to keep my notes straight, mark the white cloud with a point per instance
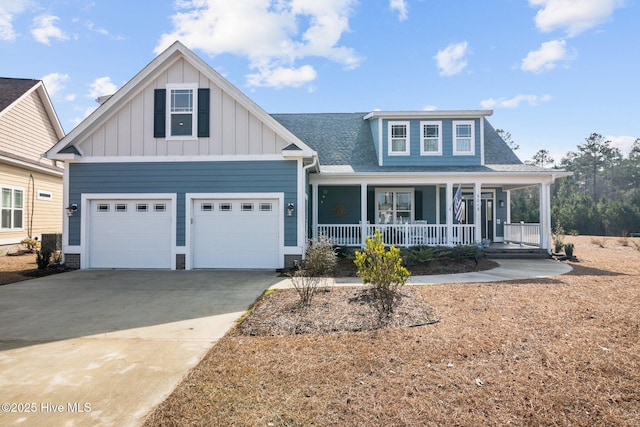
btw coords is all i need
(451, 60)
(70, 97)
(545, 58)
(55, 82)
(8, 10)
(273, 34)
(401, 7)
(85, 112)
(623, 143)
(281, 77)
(429, 108)
(573, 16)
(532, 100)
(100, 87)
(44, 29)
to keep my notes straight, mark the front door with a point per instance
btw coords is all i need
(486, 213)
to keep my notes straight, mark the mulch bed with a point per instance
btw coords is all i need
(347, 268)
(334, 309)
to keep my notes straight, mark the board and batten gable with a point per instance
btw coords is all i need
(234, 129)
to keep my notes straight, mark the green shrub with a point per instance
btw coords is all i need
(42, 259)
(558, 238)
(420, 255)
(568, 249)
(382, 269)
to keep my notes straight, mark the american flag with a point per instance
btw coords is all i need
(457, 204)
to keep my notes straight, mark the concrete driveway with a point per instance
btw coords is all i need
(105, 347)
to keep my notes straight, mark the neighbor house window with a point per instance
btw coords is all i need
(398, 138)
(431, 143)
(394, 206)
(181, 114)
(463, 138)
(12, 208)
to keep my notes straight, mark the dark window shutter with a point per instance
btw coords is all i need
(159, 113)
(419, 216)
(203, 112)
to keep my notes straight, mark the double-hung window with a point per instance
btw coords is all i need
(394, 206)
(398, 138)
(181, 102)
(12, 209)
(463, 138)
(431, 138)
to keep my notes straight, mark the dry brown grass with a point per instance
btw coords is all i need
(559, 351)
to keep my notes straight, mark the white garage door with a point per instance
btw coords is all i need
(130, 234)
(235, 233)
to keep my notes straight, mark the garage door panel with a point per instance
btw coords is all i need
(236, 234)
(130, 234)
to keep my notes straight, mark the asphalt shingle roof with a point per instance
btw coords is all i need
(12, 89)
(344, 142)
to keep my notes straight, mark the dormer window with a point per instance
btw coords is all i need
(398, 138)
(463, 138)
(431, 143)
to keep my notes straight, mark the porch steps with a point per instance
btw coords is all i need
(516, 252)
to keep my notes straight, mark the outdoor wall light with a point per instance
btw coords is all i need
(290, 209)
(501, 203)
(72, 209)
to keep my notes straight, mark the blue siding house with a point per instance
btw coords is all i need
(181, 170)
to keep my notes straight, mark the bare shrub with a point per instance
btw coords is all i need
(623, 241)
(599, 241)
(306, 285)
(320, 261)
(320, 258)
(636, 244)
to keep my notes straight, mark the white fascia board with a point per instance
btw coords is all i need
(176, 159)
(523, 178)
(30, 166)
(454, 114)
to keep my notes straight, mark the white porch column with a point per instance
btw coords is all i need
(508, 206)
(363, 213)
(449, 201)
(545, 216)
(314, 211)
(477, 208)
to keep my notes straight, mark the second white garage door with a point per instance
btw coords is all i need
(235, 233)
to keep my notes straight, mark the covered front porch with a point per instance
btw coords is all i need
(410, 213)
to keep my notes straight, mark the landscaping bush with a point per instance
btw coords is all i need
(320, 261)
(320, 258)
(42, 259)
(558, 238)
(382, 269)
(420, 255)
(568, 249)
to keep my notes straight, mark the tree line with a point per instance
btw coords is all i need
(602, 197)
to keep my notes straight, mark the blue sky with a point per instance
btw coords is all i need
(553, 71)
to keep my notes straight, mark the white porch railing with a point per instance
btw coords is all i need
(399, 234)
(523, 234)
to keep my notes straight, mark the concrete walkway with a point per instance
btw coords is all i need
(509, 269)
(103, 348)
